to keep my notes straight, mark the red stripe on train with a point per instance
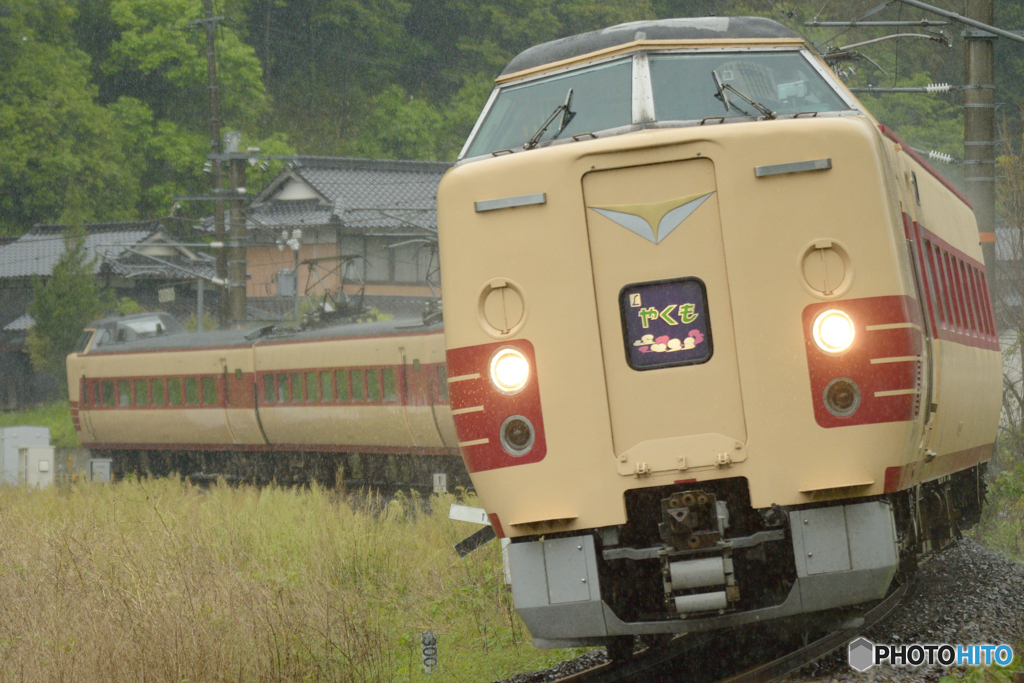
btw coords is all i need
(870, 344)
(899, 478)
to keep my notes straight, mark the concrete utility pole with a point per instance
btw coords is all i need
(237, 265)
(217, 171)
(979, 130)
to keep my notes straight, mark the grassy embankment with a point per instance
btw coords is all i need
(56, 416)
(158, 580)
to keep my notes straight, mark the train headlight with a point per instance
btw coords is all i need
(509, 370)
(833, 331)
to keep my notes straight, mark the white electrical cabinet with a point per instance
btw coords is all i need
(12, 440)
(35, 466)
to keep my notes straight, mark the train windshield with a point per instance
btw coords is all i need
(601, 99)
(784, 82)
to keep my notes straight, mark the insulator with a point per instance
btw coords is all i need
(940, 156)
(933, 88)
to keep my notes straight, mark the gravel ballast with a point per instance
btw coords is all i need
(965, 595)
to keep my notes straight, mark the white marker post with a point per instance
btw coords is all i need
(428, 642)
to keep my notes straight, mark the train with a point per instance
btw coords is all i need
(720, 345)
(363, 403)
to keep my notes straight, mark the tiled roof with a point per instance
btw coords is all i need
(24, 322)
(169, 267)
(369, 196)
(37, 251)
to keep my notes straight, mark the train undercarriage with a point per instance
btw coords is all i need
(698, 557)
(295, 468)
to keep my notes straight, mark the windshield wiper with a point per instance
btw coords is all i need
(722, 87)
(567, 116)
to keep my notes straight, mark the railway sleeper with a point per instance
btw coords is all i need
(698, 557)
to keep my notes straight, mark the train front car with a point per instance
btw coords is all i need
(698, 372)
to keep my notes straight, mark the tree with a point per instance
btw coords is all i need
(63, 305)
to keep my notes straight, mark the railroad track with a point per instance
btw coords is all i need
(665, 662)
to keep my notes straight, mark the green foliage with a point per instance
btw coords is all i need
(63, 305)
(209, 322)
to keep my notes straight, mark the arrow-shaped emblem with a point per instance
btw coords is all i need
(653, 221)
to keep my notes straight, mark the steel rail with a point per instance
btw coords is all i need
(657, 658)
(764, 673)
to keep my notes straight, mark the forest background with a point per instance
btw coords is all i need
(104, 104)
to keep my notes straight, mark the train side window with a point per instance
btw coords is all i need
(933, 275)
(268, 387)
(209, 391)
(358, 387)
(961, 292)
(311, 387)
(442, 381)
(979, 307)
(124, 393)
(986, 303)
(373, 385)
(389, 384)
(972, 300)
(296, 387)
(156, 387)
(108, 392)
(326, 386)
(141, 392)
(92, 396)
(191, 391)
(174, 391)
(342, 377)
(947, 272)
(282, 387)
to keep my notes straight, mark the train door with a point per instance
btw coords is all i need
(665, 314)
(910, 201)
(84, 412)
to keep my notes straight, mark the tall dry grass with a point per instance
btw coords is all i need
(162, 581)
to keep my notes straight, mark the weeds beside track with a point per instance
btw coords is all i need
(161, 580)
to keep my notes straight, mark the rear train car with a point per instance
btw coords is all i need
(720, 346)
(367, 400)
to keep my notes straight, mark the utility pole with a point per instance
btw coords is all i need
(237, 265)
(979, 130)
(210, 22)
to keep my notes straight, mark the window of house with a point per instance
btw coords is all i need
(378, 261)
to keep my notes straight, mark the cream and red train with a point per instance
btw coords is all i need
(359, 399)
(720, 347)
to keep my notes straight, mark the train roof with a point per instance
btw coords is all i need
(702, 28)
(190, 341)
